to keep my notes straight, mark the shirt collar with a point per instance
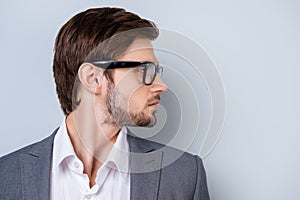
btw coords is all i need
(119, 154)
(62, 146)
(118, 157)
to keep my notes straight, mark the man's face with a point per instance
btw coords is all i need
(129, 102)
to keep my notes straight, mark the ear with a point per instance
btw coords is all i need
(90, 77)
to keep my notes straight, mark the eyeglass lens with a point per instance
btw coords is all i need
(150, 72)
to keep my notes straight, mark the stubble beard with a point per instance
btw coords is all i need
(119, 114)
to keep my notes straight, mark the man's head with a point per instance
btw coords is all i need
(107, 34)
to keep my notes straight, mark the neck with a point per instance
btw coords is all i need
(92, 141)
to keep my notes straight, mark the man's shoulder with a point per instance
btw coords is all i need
(172, 156)
(33, 148)
(14, 167)
(149, 143)
(180, 172)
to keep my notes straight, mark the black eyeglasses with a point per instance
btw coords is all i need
(150, 69)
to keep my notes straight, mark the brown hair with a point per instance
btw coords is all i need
(95, 34)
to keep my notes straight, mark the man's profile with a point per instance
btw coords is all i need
(107, 78)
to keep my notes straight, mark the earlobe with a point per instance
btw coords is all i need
(89, 77)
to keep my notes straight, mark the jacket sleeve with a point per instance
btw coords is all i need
(201, 190)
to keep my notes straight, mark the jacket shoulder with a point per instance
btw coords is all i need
(35, 147)
(171, 157)
(10, 164)
(11, 168)
(182, 174)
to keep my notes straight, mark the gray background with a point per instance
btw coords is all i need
(255, 45)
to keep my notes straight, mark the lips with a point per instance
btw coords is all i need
(153, 103)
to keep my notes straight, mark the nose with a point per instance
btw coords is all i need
(158, 85)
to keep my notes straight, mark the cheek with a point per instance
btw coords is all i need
(138, 99)
(127, 81)
(130, 85)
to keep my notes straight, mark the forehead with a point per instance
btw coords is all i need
(140, 50)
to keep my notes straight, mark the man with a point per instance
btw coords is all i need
(107, 77)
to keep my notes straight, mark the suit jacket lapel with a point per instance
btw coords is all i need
(36, 169)
(145, 165)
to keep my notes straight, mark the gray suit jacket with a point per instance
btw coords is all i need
(25, 174)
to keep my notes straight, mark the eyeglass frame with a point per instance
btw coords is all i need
(111, 64)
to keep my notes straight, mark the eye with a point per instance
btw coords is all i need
(139, 70)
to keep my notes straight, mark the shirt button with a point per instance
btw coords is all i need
(76, 164)
(88, 196)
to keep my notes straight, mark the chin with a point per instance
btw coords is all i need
(153, 121)
(149, 121)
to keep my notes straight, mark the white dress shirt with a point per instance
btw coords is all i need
(68, 182)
